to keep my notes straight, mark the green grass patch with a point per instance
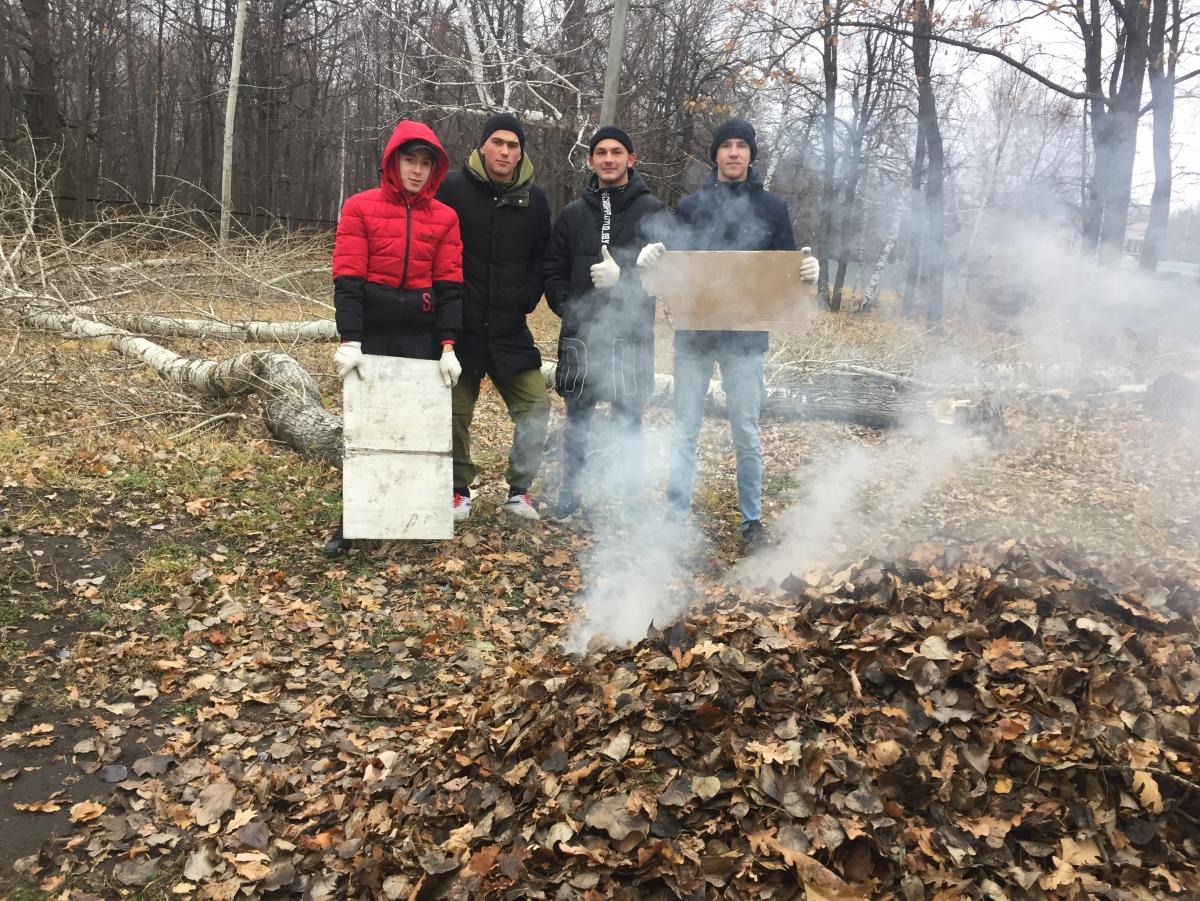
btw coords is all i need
(165, 566)
(186, 709)
(173, 625)
(384, 633)
(15, 612)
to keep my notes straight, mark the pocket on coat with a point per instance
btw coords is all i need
(571, 373)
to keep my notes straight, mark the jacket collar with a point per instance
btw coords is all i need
(515, 193)
(752, 184)
(621, 197)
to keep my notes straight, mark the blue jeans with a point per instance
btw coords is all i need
(742, 379)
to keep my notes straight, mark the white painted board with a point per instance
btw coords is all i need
(397, 472)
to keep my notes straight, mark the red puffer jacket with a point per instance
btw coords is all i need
(397, 260)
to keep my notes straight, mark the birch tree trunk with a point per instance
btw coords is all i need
(235, 76)
(291, 402)
(254, 330)
(872, 289)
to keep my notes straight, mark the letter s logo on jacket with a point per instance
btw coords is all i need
(426, 302)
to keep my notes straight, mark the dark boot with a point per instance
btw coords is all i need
(337, 544)
(753, 536)
(565, 508)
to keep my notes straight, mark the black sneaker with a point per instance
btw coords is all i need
(337, 545)
(563, 509)
(753, 535)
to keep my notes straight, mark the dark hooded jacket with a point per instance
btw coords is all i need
(397, 260)
(731, 216)
(606, 344)
(505, 230)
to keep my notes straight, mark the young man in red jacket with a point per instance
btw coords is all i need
(397, 266)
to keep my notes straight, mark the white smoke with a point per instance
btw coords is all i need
(855, 498)
(638, 575)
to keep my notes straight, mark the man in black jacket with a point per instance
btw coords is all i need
(731, 211)
(606, 344)
(505, 225)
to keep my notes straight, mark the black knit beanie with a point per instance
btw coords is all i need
(610, 132)
(734, 128)
(503, 122)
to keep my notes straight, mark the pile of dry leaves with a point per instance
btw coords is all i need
(969, 722)
(1006, 728)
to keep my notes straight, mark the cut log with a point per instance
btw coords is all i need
(1173, 397)
(853, 398)
(291, 402)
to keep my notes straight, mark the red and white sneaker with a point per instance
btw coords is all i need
(520, 505)
(462, 506)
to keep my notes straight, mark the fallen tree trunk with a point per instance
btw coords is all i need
(853, 398)
(997, 379)
(265, 332)
(291, 402)
(293, 412)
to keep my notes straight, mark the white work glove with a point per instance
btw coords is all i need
(347, 358)
(605, 274)
(650, 255)
(810, 269)
(449, 365)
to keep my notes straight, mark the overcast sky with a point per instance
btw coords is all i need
(1052, 46)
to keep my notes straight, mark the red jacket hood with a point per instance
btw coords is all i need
(408, 130)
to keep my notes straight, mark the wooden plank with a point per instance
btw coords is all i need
(397, 477)
(741, 290)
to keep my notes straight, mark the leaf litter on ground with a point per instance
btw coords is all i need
(991, 720)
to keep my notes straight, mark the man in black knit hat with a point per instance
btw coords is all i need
(606, 345)
(504, 220)
(731, 211)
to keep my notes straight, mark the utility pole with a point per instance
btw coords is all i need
(612, 76)
(235, 77)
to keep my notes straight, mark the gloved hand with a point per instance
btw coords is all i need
(606, 273)
(810, 269)
(348, 357)
(650, 255)
(449, 365)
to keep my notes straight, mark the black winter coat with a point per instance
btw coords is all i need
(731, 216)
(504, 234)
(606, 344)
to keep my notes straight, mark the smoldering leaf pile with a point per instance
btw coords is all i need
(1013, 726)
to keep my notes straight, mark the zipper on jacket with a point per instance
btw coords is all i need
(407, 241)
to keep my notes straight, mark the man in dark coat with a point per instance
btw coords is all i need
(606, 344)
(505, 225)
(731, 211)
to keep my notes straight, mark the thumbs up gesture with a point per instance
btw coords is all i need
(605, 273)
(810, 269)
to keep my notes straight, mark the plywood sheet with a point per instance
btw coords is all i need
(397, 470)
(756, 290)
